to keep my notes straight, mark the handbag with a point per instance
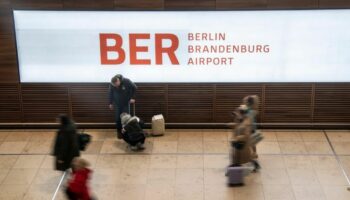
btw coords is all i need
(84, 139)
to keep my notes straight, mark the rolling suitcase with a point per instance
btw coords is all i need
(235, 176)
(158, 125)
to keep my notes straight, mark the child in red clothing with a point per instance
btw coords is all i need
(77, 188)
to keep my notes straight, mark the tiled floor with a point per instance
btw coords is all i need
(183, 164)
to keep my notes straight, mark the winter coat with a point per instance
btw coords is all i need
(242, 134)
(133, 130)
(78, 184)
(66, 147)
(121, 95)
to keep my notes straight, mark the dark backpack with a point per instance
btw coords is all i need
(84, 139)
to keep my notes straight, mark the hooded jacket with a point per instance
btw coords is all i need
(121, 95)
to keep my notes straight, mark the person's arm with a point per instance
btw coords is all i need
(110, 93)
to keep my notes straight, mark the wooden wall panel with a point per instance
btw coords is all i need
(37, 4)
(139, 4)
(292, 4)
(189, 4)
(10, 105)
(90, 103)
(44, 102)
(229, 96)
(334, 3)
(190, 103)
(240, 4)
(6, 20)
(8, 59)
(151, 100)
(88, 4)
(332, 103)
(288, 103)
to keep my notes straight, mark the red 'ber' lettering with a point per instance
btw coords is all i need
(104, 49)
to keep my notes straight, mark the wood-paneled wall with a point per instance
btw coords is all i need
(180, 103)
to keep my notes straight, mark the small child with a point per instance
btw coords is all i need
(132, 132)
(77, 188)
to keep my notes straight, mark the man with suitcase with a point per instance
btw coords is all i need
(121, 93)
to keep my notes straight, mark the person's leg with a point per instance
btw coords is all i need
(118, 122)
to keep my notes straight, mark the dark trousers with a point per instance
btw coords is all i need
(133, 142)
(119, 109)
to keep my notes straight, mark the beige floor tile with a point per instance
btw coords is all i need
(298, 162)
(218, 192)
(215, 136)
(40, 192)
(336, 193)
(324, 162)
(18, 137)
(274, 176)
(13, 192)
(110, 161)
(215, 177)
(38, 147)
(313, 136)
(168, 136)
(161, 176)
(130, 192)
(96, 134)
(3, 174)
(92, 159)
(133, 176)
(160, 192)
(331, 177)
(269, 136)
(345, 161)
(20, 177)
(47, 176)
(252, 192)
(338, 136)
(253, 179)
(289, 136)
(278, 192)
(43, 135)
(216, 161)
(137, 161)
(105, 192)
(190, 161)
(189, 192)
(189, 176)
(48, 163)
(164, 147)
(7, 161)
(112, 146)
(163, 161)
(303, 177)
(3, 135)
(271, 162)
(111, 135)
(318, 148)
(293, 147)
(94, 147)
(308, 192)
(215, 147)
(12, 147)
(191, 136)
(106, 176)
(29, 161)
(265, 147)
(190, 147)
(341, 148)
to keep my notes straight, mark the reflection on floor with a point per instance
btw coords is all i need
(183, 164)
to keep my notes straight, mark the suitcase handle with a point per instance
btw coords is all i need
(133, 109)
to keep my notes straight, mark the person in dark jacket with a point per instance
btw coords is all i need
(121, 93)
(132, 132)
(66, 144)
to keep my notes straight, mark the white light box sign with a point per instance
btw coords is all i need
(184, 46)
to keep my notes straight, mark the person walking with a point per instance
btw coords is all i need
(121, 94)
(66, 146)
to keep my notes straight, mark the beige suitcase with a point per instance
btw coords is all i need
(158, 125)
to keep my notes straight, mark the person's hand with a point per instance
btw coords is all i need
(111, 106)
(132, 100)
